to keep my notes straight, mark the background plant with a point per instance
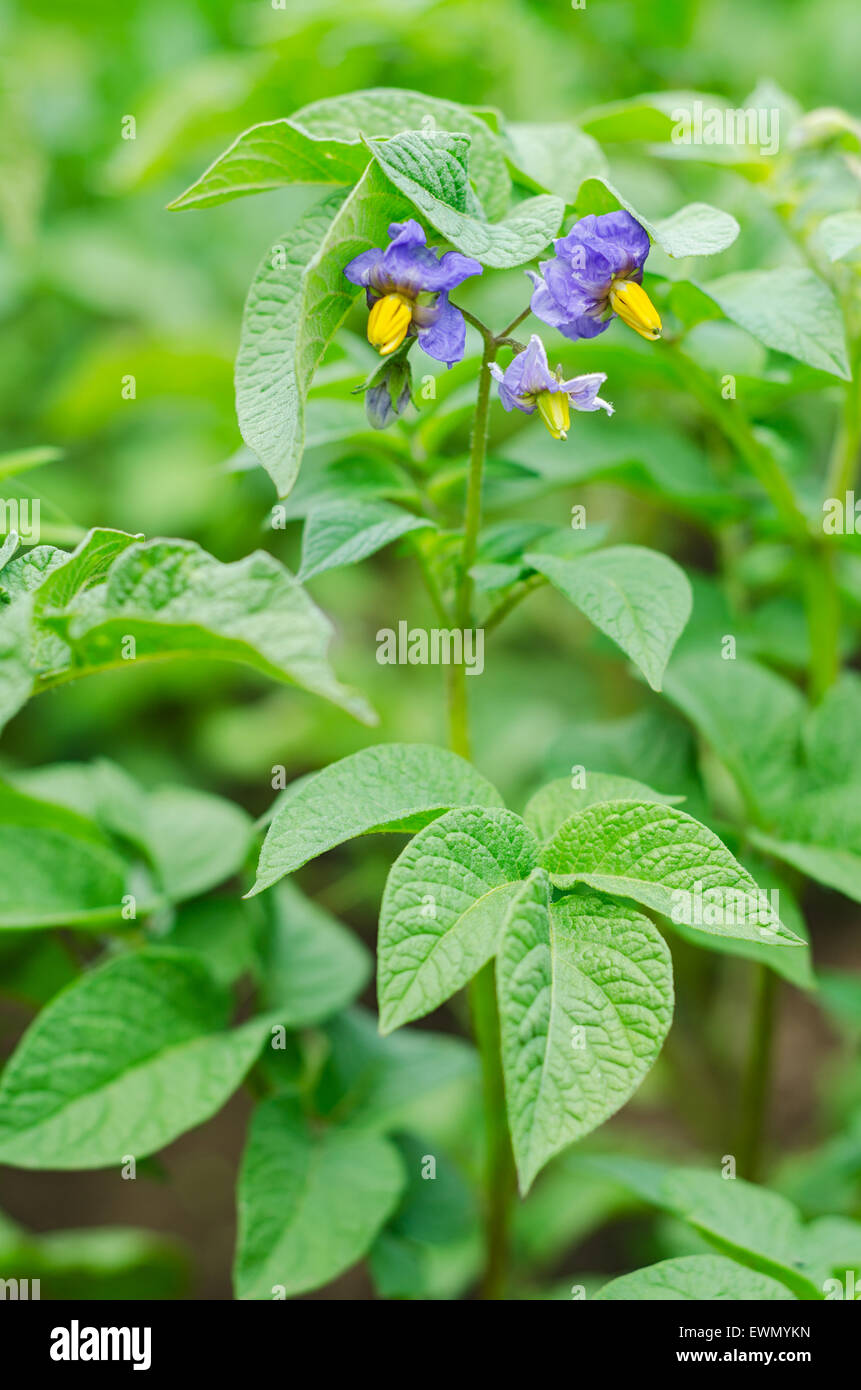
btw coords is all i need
(733, 487)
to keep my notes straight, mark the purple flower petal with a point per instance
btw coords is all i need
(528, 374)
(574, 293)
(359, 270)
(445, 338)
(510, 400)
(624, 234)
(409, 266)
(450, 271)
(582, 392)
(580, 321)
(523, 378)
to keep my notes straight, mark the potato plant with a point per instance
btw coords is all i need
(442, 355)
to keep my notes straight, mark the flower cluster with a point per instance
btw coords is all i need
(407, 287)
(595, 275)
(528, 384)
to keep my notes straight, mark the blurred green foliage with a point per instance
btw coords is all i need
(98, 281)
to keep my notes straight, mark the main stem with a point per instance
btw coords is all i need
(500, 1180)
(474, 482)
(754, 1100)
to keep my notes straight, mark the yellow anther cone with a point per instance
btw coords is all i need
(555, 411)
(636, 309)
(388, 323)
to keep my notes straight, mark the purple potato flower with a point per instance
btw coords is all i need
(596, 273)
(528, 384)
(407, 287)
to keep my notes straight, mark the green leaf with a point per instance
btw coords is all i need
(652, 742)
(105, 1263)
(585, 1001)
(372, 1082)
(26, 573)
(666, 860)
(222, 931)
(343, 532)
(424, 168)
(567, 1204)
(53, 577)
(296, 302)
(708, 1278)
(431, 1248)
(310, 1205)
(56, 868)
(385, 111)
(750, 717)
(16, 675)
(649, 116)
(443, 907)
(552, 158)
(790, 310)
(554, 804)
(175, 600)
(34, 966)
(836, 868)
(195, 839)
(638, 597)
(658, 462)
(820, 834)
(269, 156)
(124, 1060)
(88, 562)
(697, 229)
(8, 548)
(831, 733)
(796, 965)
(437, 162)
(840, 235)
(311, 966)
(15, 461)
(759, 1228)
(396, 786)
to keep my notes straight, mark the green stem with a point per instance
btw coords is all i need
(755, 1086)
(431, 585)
(822, 595)
(458, 712)
(822, 604)
(500, 1178)
(847, 443)
(475, 479)
(515, 323)
(514, 596)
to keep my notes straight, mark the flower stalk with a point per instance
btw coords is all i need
(500, 1176)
